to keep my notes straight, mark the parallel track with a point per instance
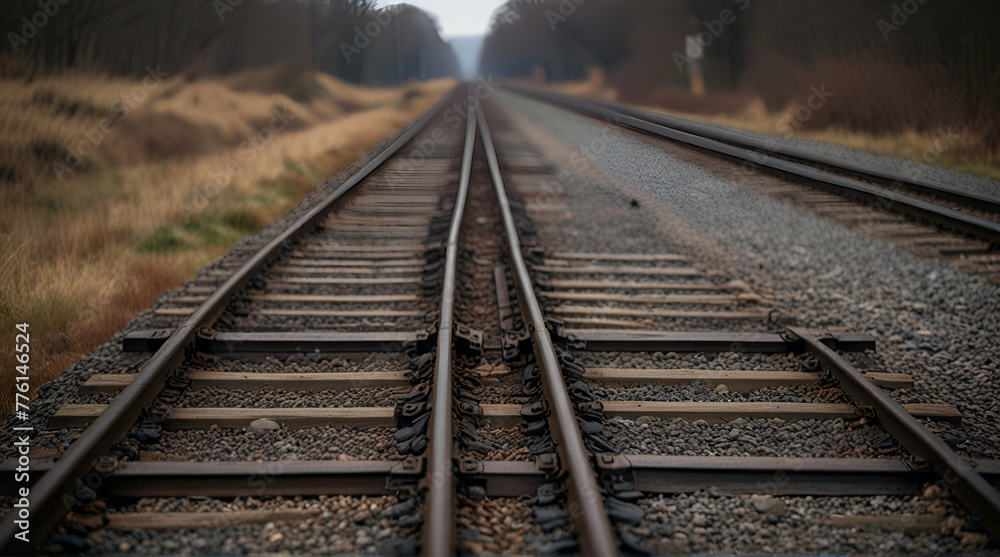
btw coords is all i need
(121, 414)
(567, 302)
(979, 495)
(829, 172)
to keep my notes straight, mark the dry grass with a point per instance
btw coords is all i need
(84, 254)
(836, 124)
(966, 155)
(594, 87)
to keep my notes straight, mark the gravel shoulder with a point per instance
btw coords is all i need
(906, 167)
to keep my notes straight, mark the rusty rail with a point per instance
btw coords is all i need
(761, 153)
(52, 497)
(969, 487)
(439, 511)
(585, 502)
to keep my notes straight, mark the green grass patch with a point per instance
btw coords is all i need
(223, 226)
(209, 229)
(281, 188)
(305, 89)
(206, 230)
(296, 169)
(162, 240)
(267, 197)
(242, 220)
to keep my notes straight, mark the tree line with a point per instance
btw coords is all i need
(349, 39)
(891, 64)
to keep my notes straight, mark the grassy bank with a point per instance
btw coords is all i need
(113, 191)
(965, 155)
(968, 154)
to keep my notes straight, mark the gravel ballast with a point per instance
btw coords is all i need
(705, 523)
(318, 443)
(937, 324)
(336, 525)
(749, 437)
(932, 322)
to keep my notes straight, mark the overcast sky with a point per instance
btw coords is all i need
(456, 18)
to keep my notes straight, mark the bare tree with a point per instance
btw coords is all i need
(224, 36)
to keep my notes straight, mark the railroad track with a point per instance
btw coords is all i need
(544, 192)
(439, 340)
(924, 216)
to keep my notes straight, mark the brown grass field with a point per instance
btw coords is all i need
(970, 154)
(89, 242)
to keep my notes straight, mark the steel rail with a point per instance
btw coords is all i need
(439, 512)
(924, 185)
(593, 524)
(930, 212)
(969, 487)
(48, 504)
